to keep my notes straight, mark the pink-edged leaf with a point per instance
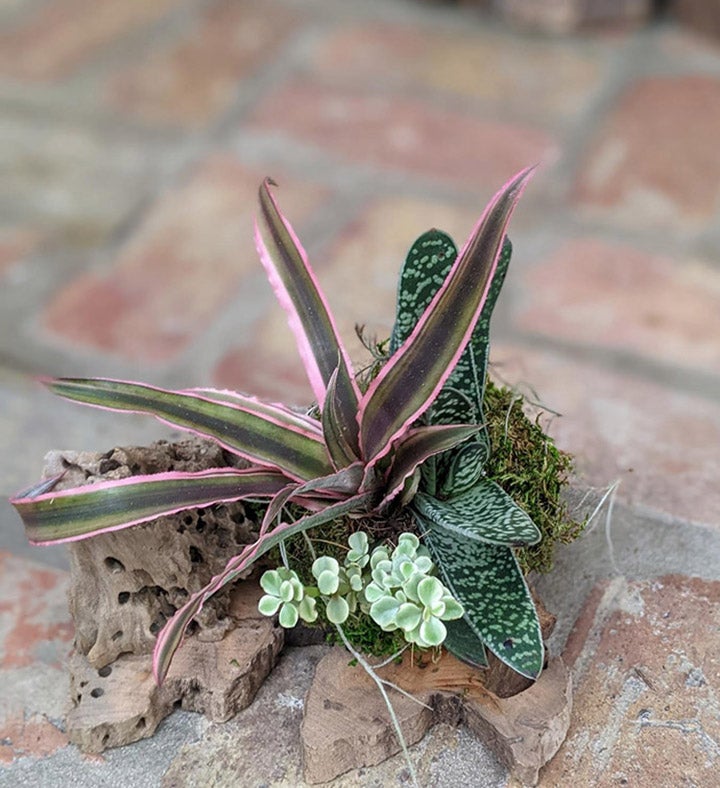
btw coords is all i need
(417, 445)
(310, 319)
(337, 440)
(413, 376)
(81, 512)
(271, 409)
(315, 493)
(171, 635)
(256, 431)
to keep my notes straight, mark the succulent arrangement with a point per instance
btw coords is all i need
(409, 445)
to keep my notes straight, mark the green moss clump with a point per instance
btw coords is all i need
(525, 462)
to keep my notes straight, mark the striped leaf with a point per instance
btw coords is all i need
(484, 513)
(412, 378)
(417, 446)
(487, 581)
(310, 320)
(80, 512)
(171, 635)
(461, 398)
(253, 430)
(337, 439)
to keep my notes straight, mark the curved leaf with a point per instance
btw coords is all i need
(417, 446)
(488, 583)
(81, 512)
(338, 441)
(311, 321)
(256, 431)
(484, 513)
(412, 378)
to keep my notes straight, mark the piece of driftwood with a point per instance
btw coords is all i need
(121, 703)
(347, 725)
(125, 584)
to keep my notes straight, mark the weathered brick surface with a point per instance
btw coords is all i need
(610, 294)
(193, 79)
(646, 659)
(34, 623)
(14, 244)
(551, 77)
(184, 265)
(56, 37)
(655, 159)
(402, 134)
(661, 443)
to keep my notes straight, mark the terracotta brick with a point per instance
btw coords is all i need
(183, 265)
(662, 444)
(36, 737)
(194, 79)
(646, 675)
(57, 37)
(550, 78)
(655, 159)
(358, 274)
(612, 295)
(401, 134)
(35, 624)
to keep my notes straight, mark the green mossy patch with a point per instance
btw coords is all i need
(525, 462)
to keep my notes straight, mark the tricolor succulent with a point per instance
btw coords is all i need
(414, 438)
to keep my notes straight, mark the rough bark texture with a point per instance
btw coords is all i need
(347, 725)
(120, 703)
(124, 585)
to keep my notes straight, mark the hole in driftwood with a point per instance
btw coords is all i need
(123, 597)
(114, 565)
(105, 672)
(195, 555)
(97, 692)
(105, 739)
(140, 723)
(117, 635)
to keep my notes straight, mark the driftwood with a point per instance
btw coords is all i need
(347, 725)
(126, 584)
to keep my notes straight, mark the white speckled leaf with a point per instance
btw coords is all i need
(487, 581)
(483, 513)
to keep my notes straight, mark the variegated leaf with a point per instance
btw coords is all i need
(414, 375)
(80, 512)
(464, 643)
(253, 430)
(487, 581)
(309, 317)
(484, 513)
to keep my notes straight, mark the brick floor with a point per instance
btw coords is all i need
(134, 137)
(646, 661)
(654, 160)
(587, 292)
(194, 79)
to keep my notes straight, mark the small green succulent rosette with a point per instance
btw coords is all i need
(285, 593)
